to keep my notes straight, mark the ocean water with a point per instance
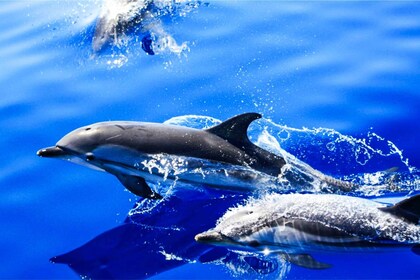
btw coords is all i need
(336, 81)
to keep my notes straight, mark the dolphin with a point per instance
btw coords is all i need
(135, 151)
(119, 17)
(294, 225)
(115, 18)
(221, 156)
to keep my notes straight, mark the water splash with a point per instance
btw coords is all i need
(250, 265)
(342, 156)
(116, 61)
(355, 157)
(333, 145)
(147, 206)
(194, 121)
(170, 256)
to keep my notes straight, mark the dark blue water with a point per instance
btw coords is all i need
(347, 71)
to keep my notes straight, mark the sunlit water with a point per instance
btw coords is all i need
(336, 82)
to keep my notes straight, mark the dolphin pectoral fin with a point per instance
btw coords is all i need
(138, 186)
(408, 209)
(306, 261)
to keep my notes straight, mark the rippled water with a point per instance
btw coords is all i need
(337, 83)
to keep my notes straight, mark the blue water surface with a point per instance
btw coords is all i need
(348, 71)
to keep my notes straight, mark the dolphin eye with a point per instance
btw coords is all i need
(88, 128)
(89, 156)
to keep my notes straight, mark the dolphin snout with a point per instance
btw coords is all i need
(209, 237)
(51, 152)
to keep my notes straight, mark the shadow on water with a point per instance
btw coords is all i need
(158, 236)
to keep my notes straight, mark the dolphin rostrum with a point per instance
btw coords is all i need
(294, 225)
(221, 156)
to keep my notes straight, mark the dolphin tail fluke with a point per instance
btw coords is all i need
(408, 209)
(138, 186)
(306, 261)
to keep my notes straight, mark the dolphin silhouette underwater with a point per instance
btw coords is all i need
(135, 152)
(140, 247)
(294, 225)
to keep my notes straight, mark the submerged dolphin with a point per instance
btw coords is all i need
(118, 17)
(221, 156)
(294, 225)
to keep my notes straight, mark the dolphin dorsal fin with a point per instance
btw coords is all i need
(234, 130)
(408, 209)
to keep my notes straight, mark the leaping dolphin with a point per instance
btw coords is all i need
(126, 148)
(221, 156)
(294, 225)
